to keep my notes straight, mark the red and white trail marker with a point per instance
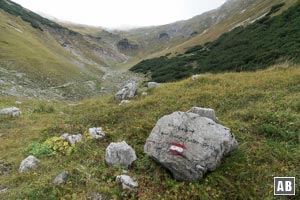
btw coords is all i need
(177, 149)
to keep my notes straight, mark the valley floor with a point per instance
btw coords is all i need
(262, 109)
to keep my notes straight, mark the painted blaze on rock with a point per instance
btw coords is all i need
(189, 145)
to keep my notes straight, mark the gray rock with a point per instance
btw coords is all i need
(120, 154)
(127, 182)
(204, 112)
(13, 111)
(124, 102)
(96, 133)
(72, 139)
(189, 145)
(153, 85)
(2, 82)
(28, 164)
(129, 91)
(61, 179)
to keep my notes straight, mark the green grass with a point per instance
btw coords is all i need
(262, 109)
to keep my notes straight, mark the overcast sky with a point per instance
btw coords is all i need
(120, 13)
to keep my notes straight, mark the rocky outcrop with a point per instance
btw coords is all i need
(13, 111)
(127, 182)
(125, 45)
(163, 36)
(189, 145)
(120, 154)
(29, 163)
(128, 91)
(61, 179)
(96, 133)
(72, 139)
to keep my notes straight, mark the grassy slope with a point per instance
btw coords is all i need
(224, 26)
(264, 103)
(261, 44)
(31, 51)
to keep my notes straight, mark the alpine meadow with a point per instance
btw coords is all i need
(205, 108)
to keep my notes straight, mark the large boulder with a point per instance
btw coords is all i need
(129, 91)
(153, 85)
(13, 111)
(204, 112)
(120, 154)
(189, 145)
(28, 164)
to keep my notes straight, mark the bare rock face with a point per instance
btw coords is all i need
(29, 163)
(205, 112)
(120, 154)
(129, 91)
(189, 145)
(13, 111)
(127, 182)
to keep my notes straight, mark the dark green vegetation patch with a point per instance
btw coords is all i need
(268, 41)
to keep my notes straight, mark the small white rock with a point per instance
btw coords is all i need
(72, 139)
(96, 133)
(124, 102)
(13, 111)
(127, 182)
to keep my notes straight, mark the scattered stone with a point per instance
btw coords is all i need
(124, 171)
(120, 154)
(97, 196)
(127, 182)
(204, 112)
(2, 82)
(3, 189)
(124, 102)
(189, 145)
(96, 133)
(5, 168)
(144, 94)
(243, 129)
(29, 163)
(72, 139)
(194, 77)
(61, 179)
(129, 91)
(153, 84)
(18, 102)
(13, 111)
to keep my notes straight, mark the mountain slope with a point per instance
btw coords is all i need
(261, 108)
(54, 62)
(267, 41)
